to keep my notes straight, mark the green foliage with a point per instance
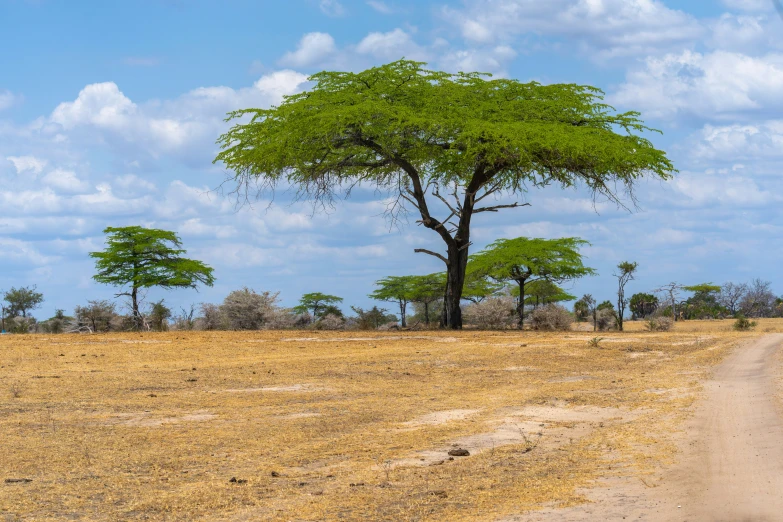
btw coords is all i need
(606, 305)
(409, 130)
(371, 319)
(526, 259)
(316, 304)
(394, 288)
(22, 300)
(158, 316)
(743, 324)
(543, 292)
(370, 125)
(138, 257)
(582, 310)
(705, 288)
(642, 305)
(536, 261)
(595, 342)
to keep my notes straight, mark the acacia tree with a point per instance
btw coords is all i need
(138, 258)
(396, 288)
(673, 291)
(320, 304)
(590, 303)
(625, 272)
(427, 289)
(435, 139)
(22, 300)
(543, 292)
(524, 261)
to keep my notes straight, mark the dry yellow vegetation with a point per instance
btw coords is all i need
(293, 425)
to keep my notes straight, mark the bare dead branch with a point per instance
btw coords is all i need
(430, 252)
(498, 207)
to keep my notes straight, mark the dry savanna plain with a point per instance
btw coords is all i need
(306, 426)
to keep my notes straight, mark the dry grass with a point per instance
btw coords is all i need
(355, 426)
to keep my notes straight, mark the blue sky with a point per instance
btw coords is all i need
(109, 112)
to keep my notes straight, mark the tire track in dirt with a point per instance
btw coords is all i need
(731, 468)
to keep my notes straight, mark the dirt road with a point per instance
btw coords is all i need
(732, 464)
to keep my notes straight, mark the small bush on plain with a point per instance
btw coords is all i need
(491, 313)
(551, 318)
(743, 324)
(605, 320)
(658, 323)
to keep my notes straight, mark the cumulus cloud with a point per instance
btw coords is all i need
(603, 28)
(713, 86)
(65, 181)
(312, 48)
(186, 126)
(24, 164)
(392, 45)
(723, 188)
(751, 142)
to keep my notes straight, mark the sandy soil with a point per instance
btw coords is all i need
(731, 467)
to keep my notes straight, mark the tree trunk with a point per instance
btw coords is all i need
(402, 314)
(455, 279)
(620, 311)
(521, 305)
(427, 313)
(135, 307)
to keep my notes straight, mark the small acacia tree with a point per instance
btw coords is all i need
(625, 272)
(524, 261)
(427, 289)
(318, 304)
(138, 258)
(436, 139)
(399, 289)
(22, 300)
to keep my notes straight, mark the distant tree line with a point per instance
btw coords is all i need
(508, 282)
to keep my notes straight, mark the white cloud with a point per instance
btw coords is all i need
(603, 28)
(99, 104)
(491, 60)
(331, 8)
(379, 6)
(748, 5)
(27, 164)
(8, 99)
(186, 126)
(750, 142)
(718, 85)
(65, 181)
(722, 188)
(312, 48)
(390, 46)
(22, 252)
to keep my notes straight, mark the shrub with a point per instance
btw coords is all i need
(743, 324)
(658, 323)
(391, 325)
(246, 309)
(551, 318)
(491, 313)
(330, 322)
(281, 319)
(212, 318)
(158, 316)
(605, 319)
(21, 325)
(97, 315)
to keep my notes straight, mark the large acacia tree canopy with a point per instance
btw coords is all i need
(390, 124)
